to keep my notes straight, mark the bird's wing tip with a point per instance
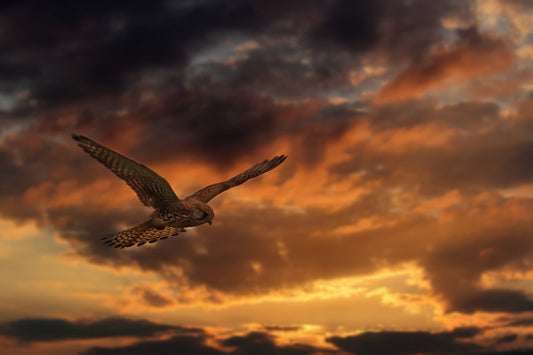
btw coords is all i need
(79, 137)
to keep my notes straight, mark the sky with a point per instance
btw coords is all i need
(400, 223)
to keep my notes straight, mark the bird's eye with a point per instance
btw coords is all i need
(199, 214)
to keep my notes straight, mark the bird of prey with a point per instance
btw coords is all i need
(171, 214)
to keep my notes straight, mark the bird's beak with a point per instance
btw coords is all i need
(210, 222)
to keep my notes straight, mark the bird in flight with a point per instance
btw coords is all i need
(171, 214)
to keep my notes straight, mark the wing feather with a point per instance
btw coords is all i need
(152, 189)
(141, 234)
(208, 192)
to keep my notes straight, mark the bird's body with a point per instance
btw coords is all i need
(171, 214)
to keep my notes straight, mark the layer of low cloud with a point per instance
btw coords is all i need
(57, 329)
(201, 341)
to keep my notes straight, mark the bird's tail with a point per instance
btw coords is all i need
(141, 234)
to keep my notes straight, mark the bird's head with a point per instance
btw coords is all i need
(202, 213)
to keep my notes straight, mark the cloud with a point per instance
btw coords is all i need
(522, 322)
(63, 54)
(153, 298)
(56, 329)
(277, 328)
(186, 344)
(401, 30)
(408, 342)
(200, 340)
(446, 66)
(16, 178)
(113, 44)
(520, 4)
(251, 343)
(509, 338)
(297, 64)
(456, 156)
(262, 343)
(220, 264)
(494, 300)
(509, 352)
(278, 70)
(214, 258)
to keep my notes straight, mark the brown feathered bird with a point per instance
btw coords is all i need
(171, 214)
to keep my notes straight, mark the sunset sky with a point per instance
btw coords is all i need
(400, 223)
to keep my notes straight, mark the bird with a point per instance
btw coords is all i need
(171, 214)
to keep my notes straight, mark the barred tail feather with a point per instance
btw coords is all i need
(141, 234)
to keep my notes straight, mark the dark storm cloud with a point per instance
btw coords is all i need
(72, 51)
(278, 70)
(55, 329)
(67, 52)
(222, 126)
(301, 65)
(192, 345)
(351, 24)
(216, 126)
(404, 343)
(62, 52)
(403, 30)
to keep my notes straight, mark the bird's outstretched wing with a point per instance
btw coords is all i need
(208, 192)
(141, 234)
(153, 190)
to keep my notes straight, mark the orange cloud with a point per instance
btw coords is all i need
(474, 55)
(508, 87)
(425, 135)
